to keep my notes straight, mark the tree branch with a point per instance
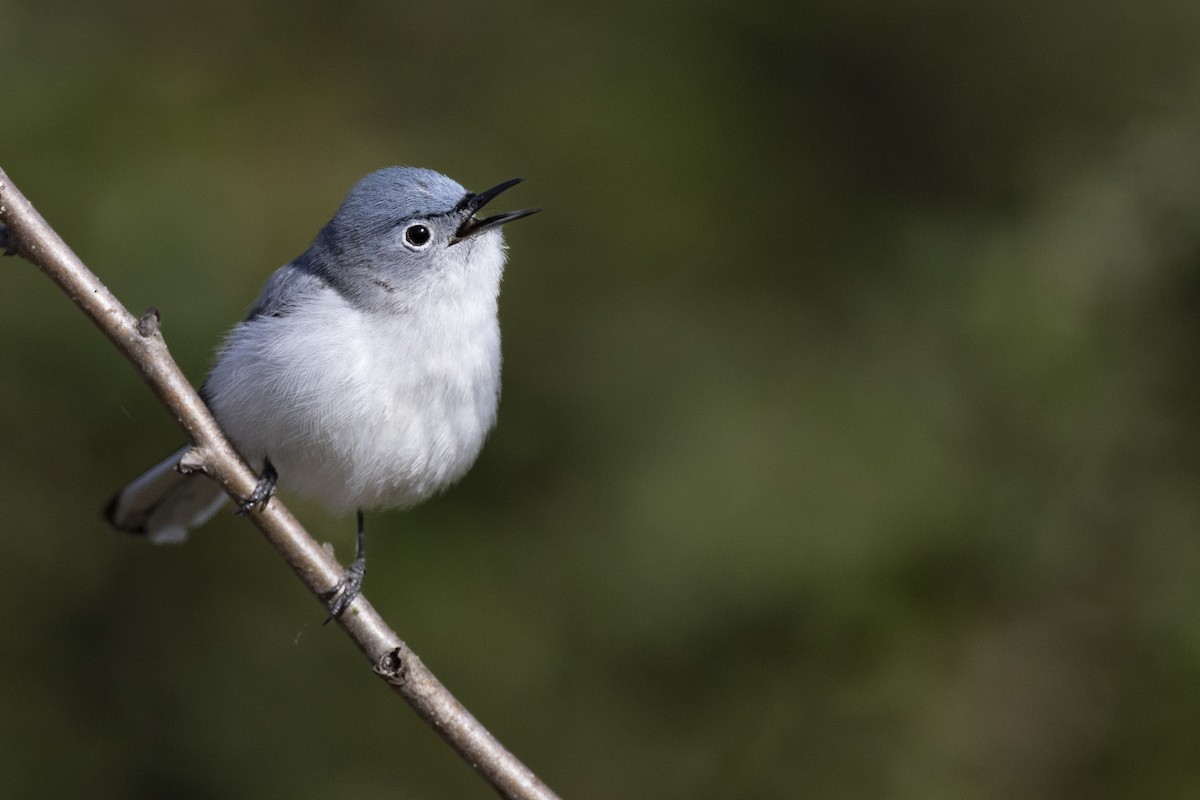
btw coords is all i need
(24, 232)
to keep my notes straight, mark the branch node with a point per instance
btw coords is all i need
(149, 323)
(193, 460)
(391, 667)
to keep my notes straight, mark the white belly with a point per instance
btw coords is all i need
(361, 410)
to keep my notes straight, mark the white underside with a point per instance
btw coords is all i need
(359, 409)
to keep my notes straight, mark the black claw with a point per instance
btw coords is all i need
(349, 586)
(264, 490)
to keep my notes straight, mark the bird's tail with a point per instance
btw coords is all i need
(164, 504)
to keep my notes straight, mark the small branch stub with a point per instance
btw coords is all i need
(192, 460)
(148, 325)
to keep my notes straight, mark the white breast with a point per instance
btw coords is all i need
(362, 409)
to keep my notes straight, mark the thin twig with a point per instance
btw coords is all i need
(25, 233)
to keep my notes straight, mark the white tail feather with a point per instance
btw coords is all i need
(164, 504)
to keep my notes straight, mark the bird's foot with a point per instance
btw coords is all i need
(264, 490)
(349, 586)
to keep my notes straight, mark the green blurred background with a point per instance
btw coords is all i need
(848, 446)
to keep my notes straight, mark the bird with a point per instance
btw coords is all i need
(367, 373)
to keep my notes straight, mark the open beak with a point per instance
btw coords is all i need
(472, 226)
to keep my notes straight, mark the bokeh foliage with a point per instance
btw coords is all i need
(850, 429)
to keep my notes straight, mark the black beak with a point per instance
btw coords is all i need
(471, 226)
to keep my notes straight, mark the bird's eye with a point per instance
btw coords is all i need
(417, 235)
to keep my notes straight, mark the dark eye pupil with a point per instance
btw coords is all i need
(417, 235)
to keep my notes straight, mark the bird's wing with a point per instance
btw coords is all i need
(290, 283)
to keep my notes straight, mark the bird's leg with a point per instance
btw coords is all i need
(263, 490)
(350, 584)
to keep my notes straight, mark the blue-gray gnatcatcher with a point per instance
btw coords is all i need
(367, 374)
